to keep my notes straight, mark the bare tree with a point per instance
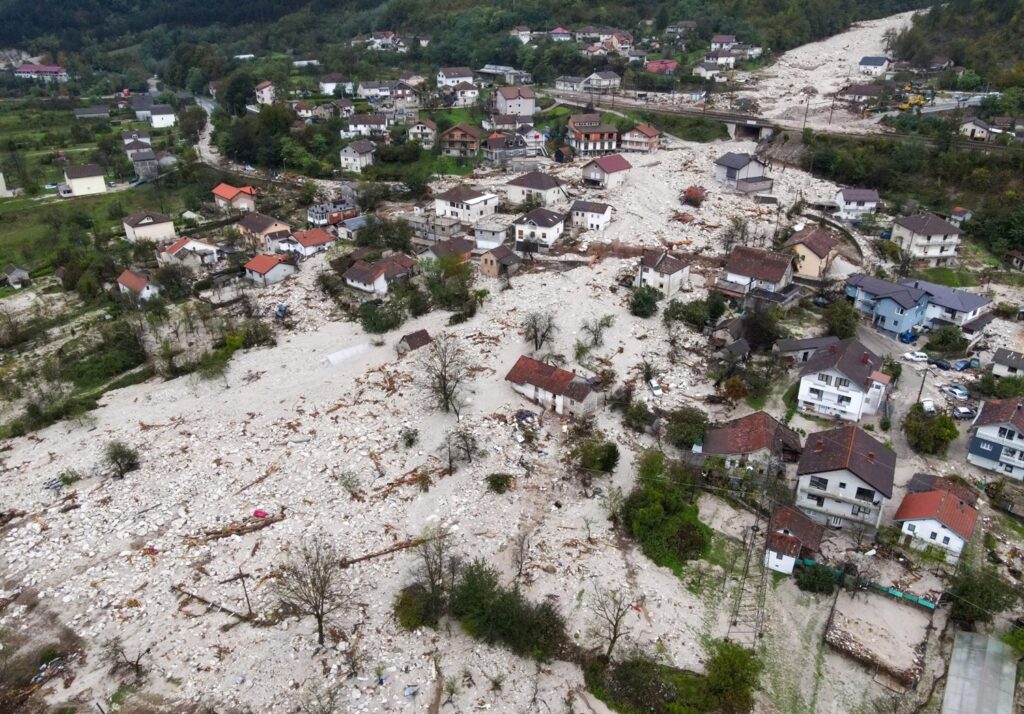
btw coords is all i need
(610, 609)
(445, 369)
(736, 233)
(116, 655)
(318, 698)
(438, 568)
(521, 551)
(595, 329)
(311, 583)
(462, 446)
(539, 328)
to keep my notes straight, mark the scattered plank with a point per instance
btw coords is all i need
(249, 524)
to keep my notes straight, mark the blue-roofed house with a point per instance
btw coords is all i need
(348, 228)
(892, 307)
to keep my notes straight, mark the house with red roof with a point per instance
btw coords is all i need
(306, 243)
(189, 252)
(268, 269)
(266, 93)
(642, 138)
(552, 387)
(560, 34)
(662, 66)
(755, 438)
(137, 283)
(936, 519)
(791, 535)
(229, 198)
(606, 171)
(378, 276)
(815, 249)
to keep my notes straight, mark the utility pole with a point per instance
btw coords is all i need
(920, 390)
(807, 108)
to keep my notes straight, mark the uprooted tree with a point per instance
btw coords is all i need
(445, 369)
(539, 328)
(310, 583)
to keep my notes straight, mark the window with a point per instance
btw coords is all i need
(1005, 433)
(861, 510)
(818, 500)
(817, 393)
(945, 540)
(844, 400)
(911, 527)
(819, 483)
(1008, 468)
(842, 382)
(984, 446)
(900, 311)
(1010, 452)
(865, 494)
(933, 536)
(842, 485)
(825, 378)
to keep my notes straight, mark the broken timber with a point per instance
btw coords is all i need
(249, 524)
(209, 603)
(411, 543)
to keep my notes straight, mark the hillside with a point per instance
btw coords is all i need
(985, 36)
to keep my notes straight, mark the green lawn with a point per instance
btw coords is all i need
(950, 277)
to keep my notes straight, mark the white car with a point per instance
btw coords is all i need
(655, 388)
(915, 357)
(957, 391)
(928, 406)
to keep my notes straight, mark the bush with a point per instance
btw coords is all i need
(817, 578)
(637, 417)
(499, 483)
(378, 317)
(947, 341)
(120, 458)
(697, 313)
(929, 433)
(980, 595)
(885, 423)
(594, 455)
(644, 301)
(685, 427)
(413, 608)
(999, 387)
(841, 319)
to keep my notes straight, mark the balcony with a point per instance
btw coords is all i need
(868, 519)
(810, 491)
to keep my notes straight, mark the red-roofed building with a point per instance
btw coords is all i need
(228, 197)
(45, 72)
(306, 243)
(377, 277)
(138, 284)
(606, 171)
(662, 66)
(552, 387)
(936, 519)
(791, 535)
(189, 252)
(268, 269)
(642, 138)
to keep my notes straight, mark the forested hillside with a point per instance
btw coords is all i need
(985, 36)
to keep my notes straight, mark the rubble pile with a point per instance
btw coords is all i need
(843, 641)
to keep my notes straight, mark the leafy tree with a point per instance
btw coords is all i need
(816, 578)
(120, 458)
(761, 329)
(841, 319)
(947, 340)
(929, 433)
(377, 316)
(384, 233)
(192, 121)
(685, 427)
(637, 417)
(660, 516)
(593, 455)
(644, 301)
(980, 594)
(733, 672)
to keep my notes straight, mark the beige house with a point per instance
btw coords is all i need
(815, 250)
(258, 228)
(149, 226)
(85, 180)
(927, 239)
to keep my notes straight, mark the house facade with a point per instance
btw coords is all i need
(590, 215)
(891, 307)
(873, 66)
(606, 171)
(266, 93)
(451, 76)
(643, 138)
(137, 283)
(377, 277)
(997, 438)
(927, 239)
(461, 140)
(535, 186)
(86, 180)
(845, 478)
(949, 306)
(357, 156)
(538, 230)
(791, 535)
(162, 116)
(256, 228)
(843, 381)
(1007, 363)
(227, 197)
(148, 226)
(552, 387)
(814, 250)
(190, 253)
(588, 136)
(425, 132)
(466, 204)
(757, 441)
(853, 204)
(742, 172)
(518, 101)
(268, 269)
(499, 261)
(936, 520)
(757, 274)
(657, 269)
(799, 351)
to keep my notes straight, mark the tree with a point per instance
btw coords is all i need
(761, 328)
(732, 675)
(644, 301)
(610, 608)
(121, 458)
(595, 329)
(310, 583)
(539, 328)
(445, 368)
(593, 455)
(979, 595)
(192, 121)
(929, 433)
(948, 340)
(686, 427)
(841, 319)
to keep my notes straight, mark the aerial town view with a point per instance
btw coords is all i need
(399, 356)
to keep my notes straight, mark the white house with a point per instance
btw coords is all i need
(306, 243)
(366, 125)
(138, 283)
(265, 93)
(451, 76)
(425, 132)
(376, 277)
(537, 186)
(492, 231)
(331, 84)
(466, 204)
(936, 519)
(722, 58)
(44, 72)
(723, 42)
(642, 138)
(855, 203)
(189, 252)
(602, 82)
(568, 83)
(844, 380)
(228, 197)
(465, 94)
(149, 226)
(997, 438)
(844, 478)
(873, 66)
(658, 269)
(521, 33)
(519, 101)
(357, 155)
(85, 180)
(738, 170)
(162, 116)
(927, 239)
(708, 70)
(590, 215)
(552, 387)
(606, 171)
(1007, 363)
(790, 533)
(268, 269)
(978, 130)
(538, 230)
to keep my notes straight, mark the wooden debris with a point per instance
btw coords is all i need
(8, 516)
(249, 524)
(411, 543)
(270, 470)
(209, 603)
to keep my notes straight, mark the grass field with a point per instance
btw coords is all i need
(950, 277)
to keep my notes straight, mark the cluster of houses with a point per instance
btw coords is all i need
(725, 52)
(42, 72)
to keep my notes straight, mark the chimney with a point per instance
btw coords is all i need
(865, 358)
(819, 445)
(871, 456)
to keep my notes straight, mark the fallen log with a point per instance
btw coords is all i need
(249, 524)
(411, 543)
(209, 603)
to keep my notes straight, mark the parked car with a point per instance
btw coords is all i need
(908, 337)
(915, 356)
(957, 392)
(961, 364)
(940, 363)
(964, 412)
(50, 187)
(655, 388)
(928, 406)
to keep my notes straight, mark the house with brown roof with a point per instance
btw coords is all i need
(927, 239)
(590, 215)
(378, 276)
(423, 131)
(85, 180)
(757, 275)
(463, 94)
(799, 351)
(791, 535)
(538, 230)
(461, 140)
(552, 387)
(519, 101)
(936, 520)
(148, 226)
(606, 171)
(457, 247)
(658, 269)
(844, 381)
(268, 269)
(642, 138)
(189, 252)
(357, 155)
(138, 284)
(228, 197)
(855, 203)
(366, 125)
(997, 438)
(499, 261)
(465, 204)
(537, 187)
(413, 341)
(844, 478)
(815, 249)
(266, 93)
(450, 76)
(757, 438)
(256, 228)
(589, 136)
